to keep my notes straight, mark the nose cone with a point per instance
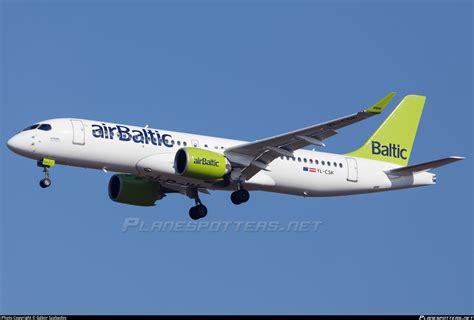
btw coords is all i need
(17, 144)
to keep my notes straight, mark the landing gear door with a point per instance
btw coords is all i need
(352, 170)
(78, 134)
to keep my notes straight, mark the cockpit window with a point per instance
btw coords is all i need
(31, 127)
(45, 127)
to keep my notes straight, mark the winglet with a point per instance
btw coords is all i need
(456, 158)
(380, 105)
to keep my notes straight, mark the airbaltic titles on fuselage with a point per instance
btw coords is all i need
(124, 133)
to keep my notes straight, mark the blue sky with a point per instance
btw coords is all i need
(241, 70)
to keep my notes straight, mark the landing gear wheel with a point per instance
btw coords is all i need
(201, 210)
(197, 212)
(234, 198)
(193, 214)
(240, 196)
(45, 183)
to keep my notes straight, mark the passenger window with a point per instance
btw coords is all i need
(340, 165)
(322, 162)
(316, 161)
(304, 160)
(205, 146)
(311, 161)
(178, 142)
(299, 159)
(185, 143)
(335, 164)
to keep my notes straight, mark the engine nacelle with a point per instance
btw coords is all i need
(200, 164)
(128, 189)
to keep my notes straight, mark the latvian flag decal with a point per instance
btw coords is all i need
(309, 169)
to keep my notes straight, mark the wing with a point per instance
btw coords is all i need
(255, 156)
(409, 170)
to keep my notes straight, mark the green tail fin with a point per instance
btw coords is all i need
(393, 140)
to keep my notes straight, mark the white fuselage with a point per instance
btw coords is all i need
(81, 143)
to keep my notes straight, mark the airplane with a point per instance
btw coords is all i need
(151, 163)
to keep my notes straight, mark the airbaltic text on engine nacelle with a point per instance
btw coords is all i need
(201, 164)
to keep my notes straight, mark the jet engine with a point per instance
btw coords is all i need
(201, 164)
(128, 189)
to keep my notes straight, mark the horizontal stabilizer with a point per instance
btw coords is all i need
(405, 171)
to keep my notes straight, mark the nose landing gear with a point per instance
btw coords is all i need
(45, 164)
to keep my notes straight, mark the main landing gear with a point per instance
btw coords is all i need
(45, 164)
(240, 196)
(199, 210)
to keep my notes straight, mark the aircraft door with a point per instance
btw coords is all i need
(352, 169)
(78, 134)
